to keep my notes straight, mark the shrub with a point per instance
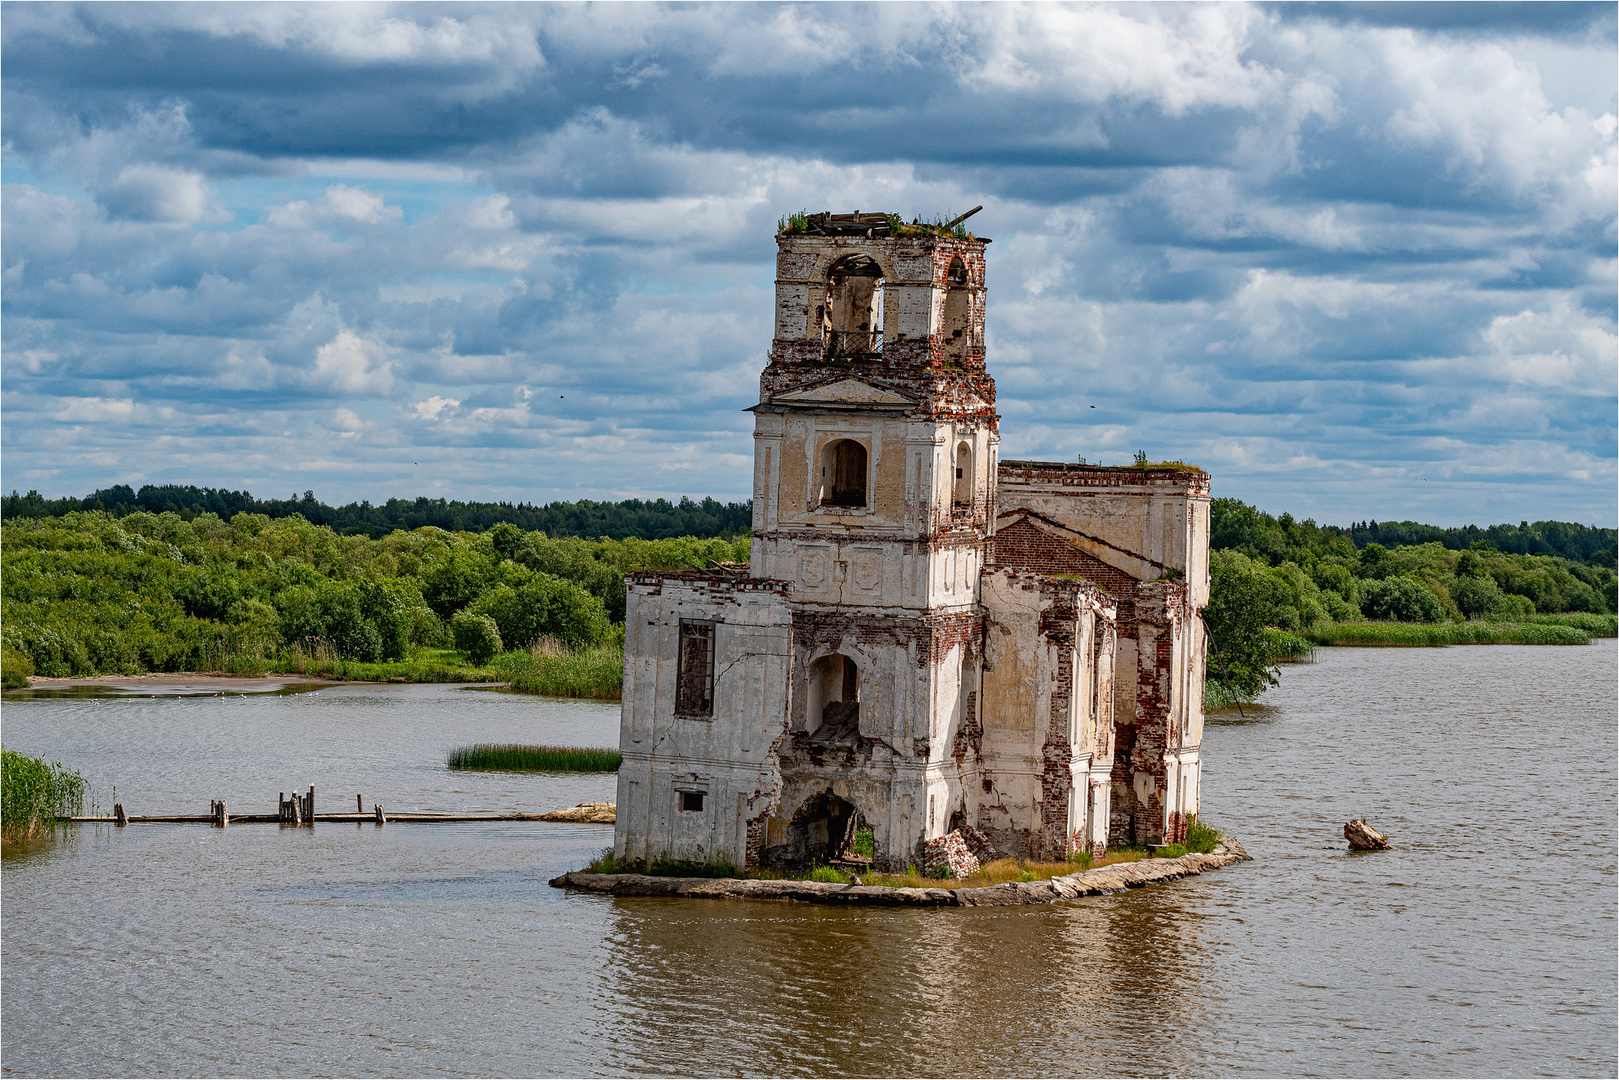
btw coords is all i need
(830, 874)
(1400, 599)
(476, 636)
(864, 843)
(1170, 851)
(14, 669)
(1201, 838)
(543, 606)
(1479, 597)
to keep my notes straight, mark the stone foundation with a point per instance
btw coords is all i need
(1100, 881)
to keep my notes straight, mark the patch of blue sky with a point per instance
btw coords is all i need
(18, 172)
(250, 199)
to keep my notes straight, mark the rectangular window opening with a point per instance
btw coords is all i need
(692, 801)
(694, 692)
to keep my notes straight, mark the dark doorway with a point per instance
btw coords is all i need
(821, 831)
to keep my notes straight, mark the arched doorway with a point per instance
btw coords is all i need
(820, 831)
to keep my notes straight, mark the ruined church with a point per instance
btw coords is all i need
(926, 637)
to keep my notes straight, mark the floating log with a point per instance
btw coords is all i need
(1362, 837)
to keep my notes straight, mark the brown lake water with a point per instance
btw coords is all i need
(1484, 944)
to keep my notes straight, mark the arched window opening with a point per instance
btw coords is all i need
(843, 474)
(956, 328)
(964, 476)
(852, 318)
(832, 711)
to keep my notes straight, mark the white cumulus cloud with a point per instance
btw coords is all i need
(354, 365)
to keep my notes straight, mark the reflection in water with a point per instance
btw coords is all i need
(1482, 944)
(1089, 989)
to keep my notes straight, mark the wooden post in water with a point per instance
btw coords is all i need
(359, 805)
(382, 819)
(119, 818)
(309, 808)
(224, 814)
(295, 804)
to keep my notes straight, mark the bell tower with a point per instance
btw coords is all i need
(876, 418)
(875, 457)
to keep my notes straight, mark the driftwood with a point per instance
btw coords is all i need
(589, 813)
(1362, 837)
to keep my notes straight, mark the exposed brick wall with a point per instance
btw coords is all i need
(1025, 544)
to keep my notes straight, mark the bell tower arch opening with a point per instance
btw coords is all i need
(852, 316)
(956, 326)
(965, 476)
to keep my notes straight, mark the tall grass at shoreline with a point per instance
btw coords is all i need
(34, 793)
(518, 757)
(1595, 625)
(553, 669)
(1286, 648)
(1440, 634)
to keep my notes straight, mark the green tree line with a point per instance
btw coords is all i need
(88, 592)
(647, 519)
(1273, 579)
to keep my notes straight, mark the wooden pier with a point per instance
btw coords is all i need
(299, 810)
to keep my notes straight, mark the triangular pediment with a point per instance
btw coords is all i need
(848, 391)
(1131, 563)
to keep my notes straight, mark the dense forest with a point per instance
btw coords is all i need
(655, 519)
(186, 578)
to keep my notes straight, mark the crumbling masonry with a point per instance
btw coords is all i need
(926, 637)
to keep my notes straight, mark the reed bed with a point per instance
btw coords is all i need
(518, 757)
(1286, 648)
(1441, 634)
(1595, 625)
(552, 669)
(34, 793)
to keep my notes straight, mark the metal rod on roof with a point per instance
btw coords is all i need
(957, 221)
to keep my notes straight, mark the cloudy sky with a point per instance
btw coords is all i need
(1355, 260)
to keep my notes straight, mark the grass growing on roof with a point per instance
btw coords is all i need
(34, 793)
(518, 757)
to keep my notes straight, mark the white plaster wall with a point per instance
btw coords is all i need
(1016, 702)
(728, 756)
